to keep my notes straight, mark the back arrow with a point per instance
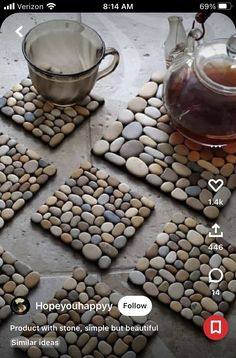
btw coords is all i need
(18, 31)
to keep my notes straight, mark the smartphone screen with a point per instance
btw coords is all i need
(117, 178)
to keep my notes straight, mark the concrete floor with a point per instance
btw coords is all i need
(139, 38)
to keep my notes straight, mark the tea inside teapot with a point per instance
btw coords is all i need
(200, 95)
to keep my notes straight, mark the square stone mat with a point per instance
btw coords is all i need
(143, 142)
(22, 173)
(94, 213)
(175, 270)
(87, 289)
(16, 280)
(44, 120)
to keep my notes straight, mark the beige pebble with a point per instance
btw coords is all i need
(29, 107)
(209, 305)
(208, 166)
(11, 101)
(182, 183)
(170, 228)
(167, 187)
(148, 90)
(17, 87)
(69, 111)
(142, 264)
(107, 237)
(131, 212)
(9, 286)
(179, 194)
(32, 279)
(155, 102)
(56, 112)
(155, 169)
(66, 238)
(190, 222)
(32, 154)
(89, 199)
(194, 203)
(19, 110)
(136, 203)
(180, 158)
(51, 200)
(212, 212)
(229, 264)
(176, 306)
(68, 128)
(181, 169)
(77, 173)
(227, 170)
(147, 202)
(7, 214)
(205, 196)
(113, 131)
(181, 149)
(82, 111)
(137, 104)
(137, 221)
(36, 131)
(56, 139)
(137, 167)
(50, 170)
(144, 139)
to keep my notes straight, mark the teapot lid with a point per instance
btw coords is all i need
(215, 65)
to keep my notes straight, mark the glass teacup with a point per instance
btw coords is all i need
(63, 58)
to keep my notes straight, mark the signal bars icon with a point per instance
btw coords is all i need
(10, 6)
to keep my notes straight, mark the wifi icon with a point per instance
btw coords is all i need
(51, 5)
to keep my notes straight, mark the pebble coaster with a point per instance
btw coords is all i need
(143, 142)
(16, 279)
(175, 270)
(22, 173)
(44, 120)
(86, 288)
(94, 213)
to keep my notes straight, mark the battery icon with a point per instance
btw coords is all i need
(224, 6)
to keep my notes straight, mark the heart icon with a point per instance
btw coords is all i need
(215, 184)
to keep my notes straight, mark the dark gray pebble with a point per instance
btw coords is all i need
(109, 190)
(86, 207)
(193, 190)
(27, 195)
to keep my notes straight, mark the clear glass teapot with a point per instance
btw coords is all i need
(200, 91)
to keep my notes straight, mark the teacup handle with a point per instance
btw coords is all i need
(110, 68)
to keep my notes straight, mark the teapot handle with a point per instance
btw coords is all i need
(231, 46)
(193, 37)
